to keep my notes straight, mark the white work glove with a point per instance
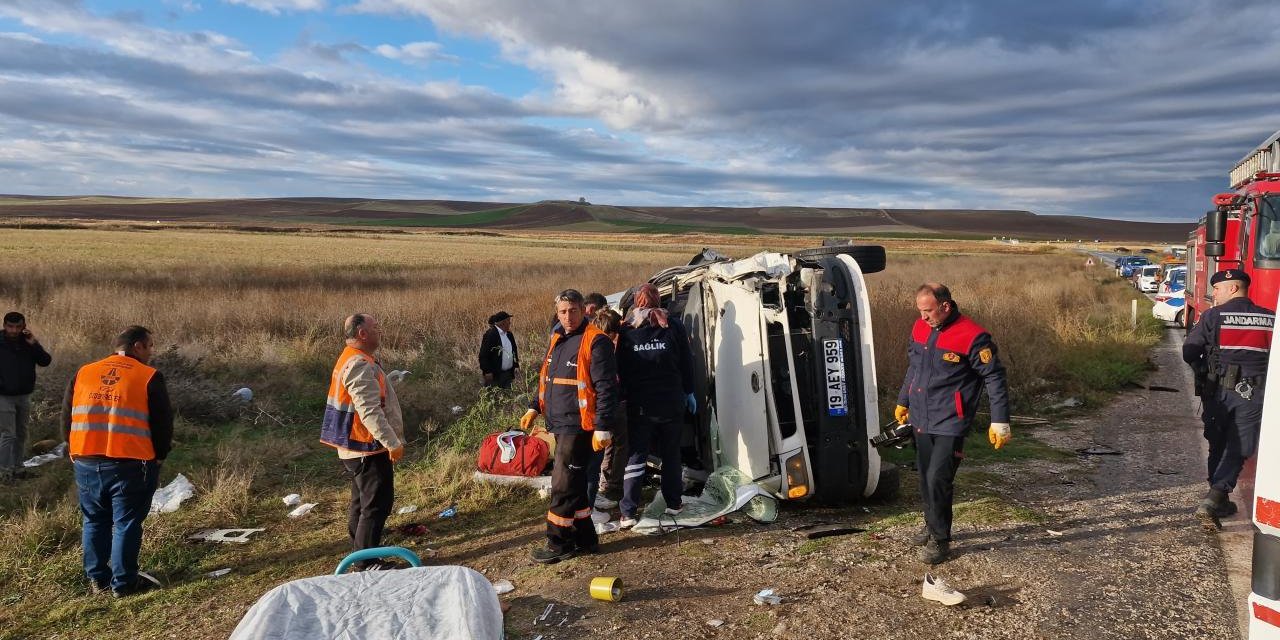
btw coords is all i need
(999, 434)
(600, 440)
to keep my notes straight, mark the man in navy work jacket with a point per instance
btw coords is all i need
(1228, 348)
(578, 399)
(950, 359)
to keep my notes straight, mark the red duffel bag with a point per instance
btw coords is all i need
(526, 455)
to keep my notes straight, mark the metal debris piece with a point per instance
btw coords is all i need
(829, 530)
(224, 535)
(1099, 450)
(545, 612)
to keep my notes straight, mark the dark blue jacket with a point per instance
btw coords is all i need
(562, 413)
(1241, 332)
(947, 369)
(656, 369)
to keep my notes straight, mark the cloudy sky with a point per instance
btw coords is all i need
(1101, 107)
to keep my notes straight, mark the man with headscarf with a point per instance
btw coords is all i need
(656, 369)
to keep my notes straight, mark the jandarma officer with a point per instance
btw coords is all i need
(950, 359)
(1228, 350)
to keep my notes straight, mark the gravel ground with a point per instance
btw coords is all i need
(1094, 546)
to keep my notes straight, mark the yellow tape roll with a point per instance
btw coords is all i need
(607, 589)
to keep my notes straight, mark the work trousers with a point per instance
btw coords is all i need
(14, 412)
(605, 472)
(372, 494)
(569, 523)
(115, 497)
(1232, 430)
(938, 458)
(646, 433)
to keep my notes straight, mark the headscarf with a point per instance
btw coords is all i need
(646, 308)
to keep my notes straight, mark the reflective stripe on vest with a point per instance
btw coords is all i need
(342, 427)
(110, 415)
(586, 391)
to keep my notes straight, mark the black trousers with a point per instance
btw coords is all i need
(1232, 425)
(502, 379)
(372, 494)
(938, 458)
(648, 433)
(569, 523)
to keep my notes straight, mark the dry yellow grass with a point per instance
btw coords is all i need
(264, 310)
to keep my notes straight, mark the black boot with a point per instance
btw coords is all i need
(1215, 505)
(548, 555)
(921, 537)
(934, 552)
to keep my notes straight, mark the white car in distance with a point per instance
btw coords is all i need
(1146, 281)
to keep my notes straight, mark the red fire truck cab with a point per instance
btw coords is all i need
(1241, 232)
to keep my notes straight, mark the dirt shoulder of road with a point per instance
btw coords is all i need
(1074, 546)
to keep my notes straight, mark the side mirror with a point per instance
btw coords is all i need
(1215, 226)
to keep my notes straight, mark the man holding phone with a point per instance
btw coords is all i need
(20, 354)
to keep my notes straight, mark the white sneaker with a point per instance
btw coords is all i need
(627, 523)
(603, 503)
(938, 590)
(600, 517)
(673, 512)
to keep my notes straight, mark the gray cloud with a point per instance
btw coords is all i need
(1123, 109)
(1090, 106)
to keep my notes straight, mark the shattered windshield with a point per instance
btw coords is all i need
(1269, 228)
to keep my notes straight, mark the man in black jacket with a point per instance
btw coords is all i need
(20, 354)
(1230, 346)
(499, 357)
(578, 399)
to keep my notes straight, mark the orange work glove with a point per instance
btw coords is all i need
(600, 440)
(395, 454)
(900, 414)
(999, 434)
(526, 421)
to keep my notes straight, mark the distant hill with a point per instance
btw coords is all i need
(568, 215)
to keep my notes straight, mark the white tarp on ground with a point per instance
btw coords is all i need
(419, 603)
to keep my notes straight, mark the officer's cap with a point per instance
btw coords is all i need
(1230, 275)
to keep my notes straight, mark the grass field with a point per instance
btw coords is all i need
(231, 309)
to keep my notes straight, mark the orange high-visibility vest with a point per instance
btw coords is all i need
(342, 427)
(586, 391)
(109, 412)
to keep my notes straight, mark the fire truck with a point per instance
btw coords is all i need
(1242, 231)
